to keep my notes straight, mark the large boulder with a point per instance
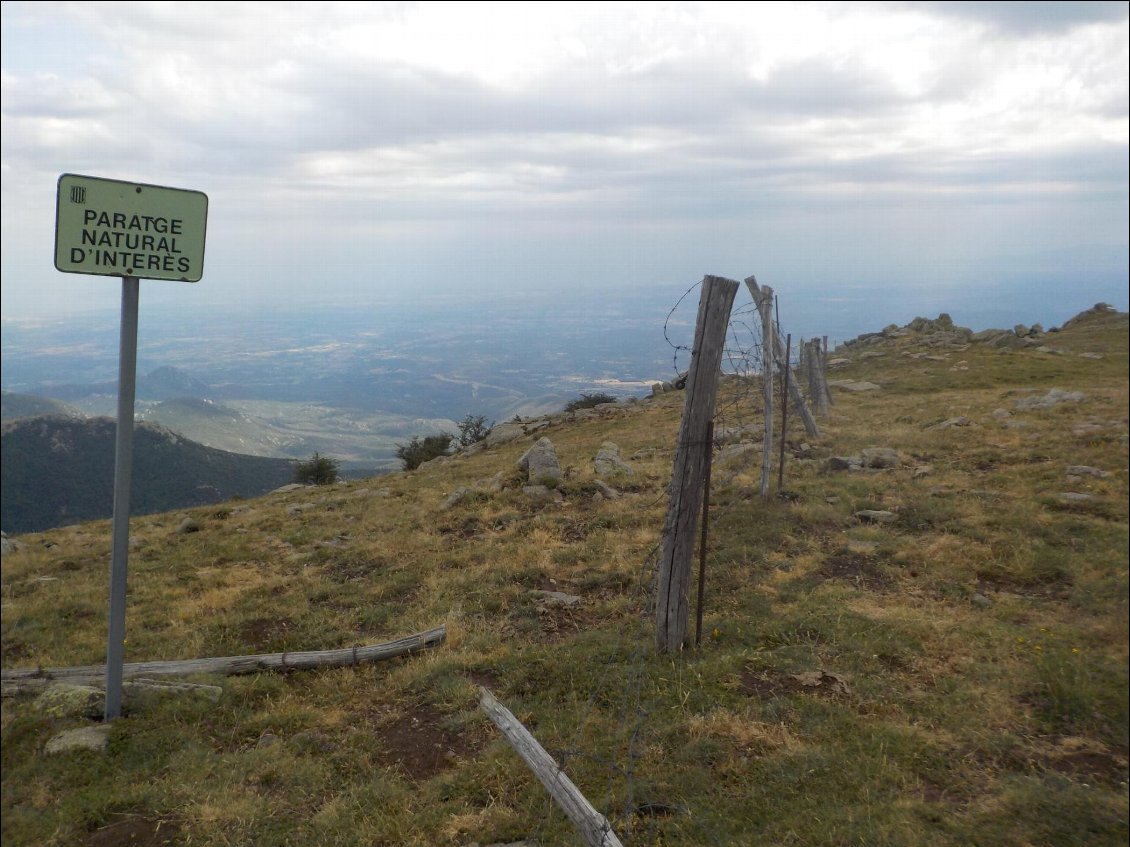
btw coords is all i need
(609, 463)
(540, 463)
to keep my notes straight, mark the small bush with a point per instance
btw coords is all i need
(587, 401)
(473, 429)
(420, 450)
(318, 470)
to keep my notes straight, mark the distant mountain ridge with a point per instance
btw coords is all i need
(14, 405)
(56, 470)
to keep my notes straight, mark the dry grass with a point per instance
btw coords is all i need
(958, 676)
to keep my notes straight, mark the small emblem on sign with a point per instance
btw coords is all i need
(78, 194)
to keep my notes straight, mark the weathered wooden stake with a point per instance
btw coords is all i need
(672, 599)
(705, 535)
(765, 307)
(824, 371)
(592, 826)
(784, 415)
(819, 387)
(794, 387)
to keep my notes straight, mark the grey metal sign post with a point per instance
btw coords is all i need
(112, 228)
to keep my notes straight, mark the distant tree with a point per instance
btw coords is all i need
(318, 470)
(473, 429)
(587, 401)
(420, 450)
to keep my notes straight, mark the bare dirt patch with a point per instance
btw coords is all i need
(264, 634)
(134, 831)
(767, 685)
(418, 744)
(860, 571)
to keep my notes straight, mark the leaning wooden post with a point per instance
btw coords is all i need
(794, 386)
(824, 371)
(593, 827)
(672, 601)
(818, 390)
(765, 307)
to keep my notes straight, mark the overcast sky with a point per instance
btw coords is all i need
(880, 160)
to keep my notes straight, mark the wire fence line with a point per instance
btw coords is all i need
(629, 686)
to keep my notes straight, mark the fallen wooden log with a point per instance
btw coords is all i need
(233, 665)
(593, 827)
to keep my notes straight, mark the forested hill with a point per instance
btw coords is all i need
(58, 470)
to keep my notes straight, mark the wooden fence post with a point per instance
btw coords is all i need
(794, 387)
(824, 371)
(672, 601)
(765, 307)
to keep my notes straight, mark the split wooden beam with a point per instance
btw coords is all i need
(234, 665)
(592, 826)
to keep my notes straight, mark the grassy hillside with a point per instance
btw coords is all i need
(60, 470)
(955, 676)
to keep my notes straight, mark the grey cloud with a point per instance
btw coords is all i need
(1027, 18)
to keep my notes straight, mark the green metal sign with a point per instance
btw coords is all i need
(129, 229)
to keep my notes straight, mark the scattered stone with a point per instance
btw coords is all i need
(1074, 497)
(1087, 470)
(981, 601)
(838, 362)
(557, 598)
(822, 679)
(879, 457)
(1090, 355)
(298, 508)
(504, 433)
(1002, 414)
(139, 694)
(134, 543)
(267, 739)
(1054, 397)
(68, 700)
(843, 463)
(9, 545)
(608, 461)
(606, 491)
(852, 385)
(876, 516)
(922, 471)
(540, 462)
(186, 526)
(455, 498)
(94, 738)
(1020, 330)
(542, 494)
(961, 420)
(871, 354)
(294, 486)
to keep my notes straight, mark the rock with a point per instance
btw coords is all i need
(139, 694)
(186, 526)
(1002, 414)
(843, 463)
(922, 471)
(540, 462)
(871, 354)
(852, 385)
(490, 484)
(876, 516)
(1090, 355)
(1074, 497)
(542, 494)
(1086, 470)
(606, 491)
(961, 420)
(9, 545)
(1020, 330)
(879, 457)
(94, 738)
(68, 700)
(504, 433)
(298, 508)
(609, 463)
(294, 486)
(981, 601)
(267, 739)
(1054, 397)
(454, 498)
(838, 362)
(557, 598)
